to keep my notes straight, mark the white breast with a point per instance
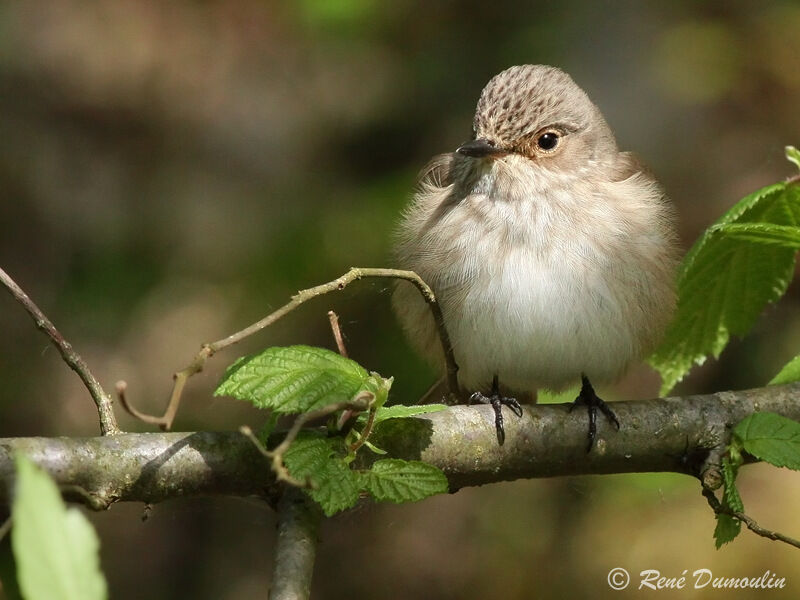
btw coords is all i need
(540, 287)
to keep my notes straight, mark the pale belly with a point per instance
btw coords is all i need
(540, 288)
(539, 321)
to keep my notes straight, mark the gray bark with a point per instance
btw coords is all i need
(673, 434)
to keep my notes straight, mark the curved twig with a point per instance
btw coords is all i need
(354, 274)
(105, 411)
(751, 524)
(361, 402)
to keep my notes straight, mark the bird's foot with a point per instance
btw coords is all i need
(588, 398)
(497, 401)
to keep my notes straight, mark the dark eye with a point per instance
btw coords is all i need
(548, 141)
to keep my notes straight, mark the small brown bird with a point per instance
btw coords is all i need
(550, 252)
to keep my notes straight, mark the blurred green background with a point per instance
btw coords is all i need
(171, 172)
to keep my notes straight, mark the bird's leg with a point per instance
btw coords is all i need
(589, 398)
(497, 401)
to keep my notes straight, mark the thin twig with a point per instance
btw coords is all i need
(361, 402)
(347, 414)
(364, 432)
(121, 388)
(718, 508)
(280, 470)
(337, 333)
(354, 274)
(108, 421)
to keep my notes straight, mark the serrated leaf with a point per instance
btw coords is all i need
(789, 373)
(731, 494)
(313, 456)
(726, 530)
(728, 527)
(307, 454)
(293, 379)
(396, 480)
(786, 236)
(724, 283)
(793, 155)
(771, 438)
(55, 548)
(401, 411)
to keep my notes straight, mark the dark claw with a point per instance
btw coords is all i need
(588, 398)
(497, 401)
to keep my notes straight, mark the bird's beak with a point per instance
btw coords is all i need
(479, 148)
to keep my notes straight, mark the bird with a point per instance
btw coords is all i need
(551, 253)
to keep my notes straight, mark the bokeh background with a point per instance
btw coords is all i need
(170, 172)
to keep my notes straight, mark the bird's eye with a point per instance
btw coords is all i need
(548, 141)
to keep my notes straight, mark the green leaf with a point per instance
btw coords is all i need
(728, 527)
(401, 411)
(726, 530)
(55, 548)
(787, 236)
(789, 373)
(725, 282)
(378, 387)
(374, 448)
(293, 379)
(731, 496)
(771, 438)
(268, 427)
(793, 155)
(396, 480)
(312, 456)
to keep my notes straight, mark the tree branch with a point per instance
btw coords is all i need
(298, 534)
(108, 421)
(672, 434)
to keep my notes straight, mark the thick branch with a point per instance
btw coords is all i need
(673, 434)
(298, 533)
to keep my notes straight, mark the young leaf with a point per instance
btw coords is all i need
(396, 480)
(55, 548)
(293, 379)
(378, 387)
(728, 527)
(336, 487)
(789, 373)
(374, 448)
(724, 282)
(771, 438)
(726, 530)
(731, 496)
(401, 411)
(307, 455)
(793, 155)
